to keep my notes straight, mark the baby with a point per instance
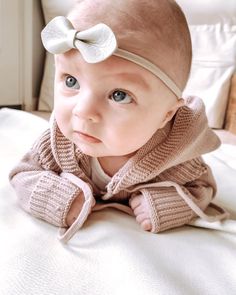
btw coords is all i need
(121, 133)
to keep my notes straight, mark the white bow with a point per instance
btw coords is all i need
(95, 44)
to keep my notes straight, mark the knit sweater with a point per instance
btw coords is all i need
(168, 171)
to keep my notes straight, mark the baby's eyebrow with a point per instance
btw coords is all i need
(134, 78)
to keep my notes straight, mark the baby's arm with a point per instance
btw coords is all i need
(41, 190)
(160, 208)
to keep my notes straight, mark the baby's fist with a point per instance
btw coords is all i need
(141, 210)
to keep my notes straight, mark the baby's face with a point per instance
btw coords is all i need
(110, 108)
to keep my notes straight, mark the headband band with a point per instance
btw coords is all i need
(95, 45)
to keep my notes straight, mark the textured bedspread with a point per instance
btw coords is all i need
(111, 255)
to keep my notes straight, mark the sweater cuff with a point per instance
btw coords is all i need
(52, 198)
(167, 209)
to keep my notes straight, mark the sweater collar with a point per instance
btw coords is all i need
(66, 154)
(186, 137)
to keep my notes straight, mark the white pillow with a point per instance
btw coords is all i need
(209, 12)
(52, 8)
(214, 62)
(47, 86)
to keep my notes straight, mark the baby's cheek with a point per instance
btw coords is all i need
(126, 140)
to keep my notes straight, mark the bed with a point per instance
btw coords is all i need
(111, 255)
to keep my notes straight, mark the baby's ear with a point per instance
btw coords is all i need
(170, 114)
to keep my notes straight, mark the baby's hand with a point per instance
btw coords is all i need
(75, 209)
(141, 210)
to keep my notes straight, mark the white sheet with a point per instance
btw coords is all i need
(110, 254)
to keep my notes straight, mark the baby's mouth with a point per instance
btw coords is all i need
(87, 137)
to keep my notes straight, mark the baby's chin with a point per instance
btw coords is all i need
(93, 151)
(102, 153)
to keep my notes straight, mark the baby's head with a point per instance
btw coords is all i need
(154, 29)
(112, 108)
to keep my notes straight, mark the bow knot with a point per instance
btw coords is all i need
(95, 44)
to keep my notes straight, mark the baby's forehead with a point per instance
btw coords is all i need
(113, 67)
(154, 29)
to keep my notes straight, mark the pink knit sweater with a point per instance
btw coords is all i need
(168, 171)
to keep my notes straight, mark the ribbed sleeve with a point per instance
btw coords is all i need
(52, 197)
(41, 190)
(167, 208)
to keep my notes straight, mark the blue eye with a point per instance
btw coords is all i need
(71, 82)
(121, 97)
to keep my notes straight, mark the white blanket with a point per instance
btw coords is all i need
(110, 255)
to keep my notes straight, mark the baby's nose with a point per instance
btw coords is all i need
(87, 107)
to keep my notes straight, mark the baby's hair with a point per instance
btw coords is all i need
(154, 29)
